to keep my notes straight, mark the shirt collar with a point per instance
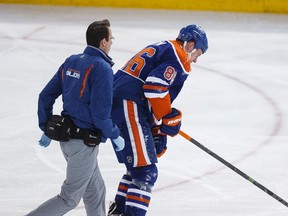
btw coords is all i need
(91, 50)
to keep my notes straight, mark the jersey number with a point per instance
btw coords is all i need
(136, 64)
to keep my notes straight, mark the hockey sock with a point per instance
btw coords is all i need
(139, 192)
(120, 197)
(137, 201)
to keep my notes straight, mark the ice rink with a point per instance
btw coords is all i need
(235, 102)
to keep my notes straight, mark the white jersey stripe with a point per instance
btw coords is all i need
(121, 194)
(140, 132)
(130, 132)
(143, 144)
(155, 95)
(125, 181)
(156, 80)
(136, 205)
(141, 192)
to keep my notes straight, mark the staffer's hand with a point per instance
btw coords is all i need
(44, 140)
(120, 143)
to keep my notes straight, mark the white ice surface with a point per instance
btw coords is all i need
(235, 102)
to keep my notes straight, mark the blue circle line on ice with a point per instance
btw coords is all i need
(275, 129)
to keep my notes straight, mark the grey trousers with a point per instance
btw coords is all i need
(83, 180)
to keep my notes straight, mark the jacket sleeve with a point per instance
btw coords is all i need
(47, 98)
(101, 101)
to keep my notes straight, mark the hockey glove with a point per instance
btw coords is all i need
(119, 143)
(160, 144)
(171, 123)
(44, 141)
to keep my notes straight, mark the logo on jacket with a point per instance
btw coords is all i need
(73, 73)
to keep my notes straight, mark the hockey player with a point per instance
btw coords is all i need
(144, 90)
(85, 82)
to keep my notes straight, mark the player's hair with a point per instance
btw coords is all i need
(97, 31)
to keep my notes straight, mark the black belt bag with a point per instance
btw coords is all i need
(62, 128)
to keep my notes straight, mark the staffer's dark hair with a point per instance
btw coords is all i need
(97, 31)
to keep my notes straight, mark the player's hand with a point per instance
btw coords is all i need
(119, 143)
(171, 123)
(44, 140)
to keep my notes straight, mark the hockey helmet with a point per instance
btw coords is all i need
(196, 33)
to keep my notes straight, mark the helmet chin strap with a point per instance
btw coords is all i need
(188, 53)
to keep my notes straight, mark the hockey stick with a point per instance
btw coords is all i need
(235, 169)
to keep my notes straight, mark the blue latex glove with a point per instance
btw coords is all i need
(44, 141)
(120, 143)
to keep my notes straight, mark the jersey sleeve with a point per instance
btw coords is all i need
(165, 81)
(156, 89)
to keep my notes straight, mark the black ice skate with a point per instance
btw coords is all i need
(112, 210)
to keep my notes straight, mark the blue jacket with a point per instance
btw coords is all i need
(85, 82)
